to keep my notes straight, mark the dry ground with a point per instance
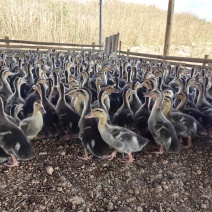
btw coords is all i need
(152, 183)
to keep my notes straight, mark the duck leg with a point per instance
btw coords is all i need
(188, 143)
(130, 159)
(14, 162)
(86, 157)
(160, 152)
(112, 155)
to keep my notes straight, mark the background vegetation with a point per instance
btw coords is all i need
(142, 28)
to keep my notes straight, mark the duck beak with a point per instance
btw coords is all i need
(115, 90)
(71, 92)
(42, 110)
(89, 116)
(148, 94)
(132, 92)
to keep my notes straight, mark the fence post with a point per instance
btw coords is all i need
(119, 48)
(128, 52)
(7, 43)
(206, 57)
(93, 44)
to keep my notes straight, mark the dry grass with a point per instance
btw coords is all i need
(75, 22)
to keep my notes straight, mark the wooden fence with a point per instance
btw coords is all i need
(186, 61)
(22, 44)
(112, 44)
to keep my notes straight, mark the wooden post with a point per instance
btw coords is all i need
(106, 45)
(168, 27)
(93, 44)
(110, 44)
(119, 48)
(116, 42)
(128, 51)
(206, 57)
(7, 43)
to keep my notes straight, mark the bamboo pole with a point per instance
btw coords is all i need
(168, 27)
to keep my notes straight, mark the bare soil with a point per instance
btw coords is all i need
(57, 180)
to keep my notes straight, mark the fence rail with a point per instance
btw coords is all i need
(111, 45)
(22, 44)
(187, 61)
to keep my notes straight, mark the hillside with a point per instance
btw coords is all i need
(141, 27)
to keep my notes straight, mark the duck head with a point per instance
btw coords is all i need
(96, 113)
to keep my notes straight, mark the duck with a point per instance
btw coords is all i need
(29, 101)
(185, 125)
(15, 98)
(202, 103)
(50, 118)
(182, 88)
(13, 140)
(31, 126)
(134, 101)
(89, 133)
(116, 99)
(202, 118)
(5, 90)
(121, 139)
(124, 116)
(160, 127)
(68, 118)
(141, 119)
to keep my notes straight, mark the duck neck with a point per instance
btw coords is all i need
(2, 114)
(126, 101)
(18, 89)
(102, 122)
(201, 96)
(158, 104)
(6, 84)
(166, 109)
(183, 101)
(182, 88)
(87, 107)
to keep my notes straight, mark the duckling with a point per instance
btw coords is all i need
(203, 119)
(141, 119)
(29, 101)
(16, 97)
(13, 140)
(104, 99)
(135, 102)
(31, 126)
(124, 116)
(50, 119)
(68, 118)
(5, 90)
(120, 138)
(116, 99)
(202, 103)
(182, 88)
(185, 125)
(161, 129)
(89, 133)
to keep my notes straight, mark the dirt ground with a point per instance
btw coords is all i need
(57, 180)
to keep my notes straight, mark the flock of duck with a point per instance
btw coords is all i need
(112, 104)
